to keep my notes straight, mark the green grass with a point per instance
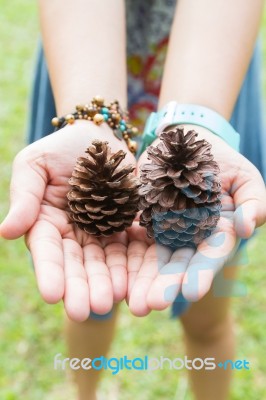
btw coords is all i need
(31, 331)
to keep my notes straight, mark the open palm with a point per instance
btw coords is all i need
(157, 274)
(88, 273)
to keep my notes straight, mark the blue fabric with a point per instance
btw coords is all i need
(247, 119)
(42, 108)
(248, 116)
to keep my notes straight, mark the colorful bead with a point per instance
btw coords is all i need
(105, 110)
(116, 117)
(55, 121)
(132, 145)
(99, 100)
(135, 131)
(70, 119)
(91, 111)
(98, 119)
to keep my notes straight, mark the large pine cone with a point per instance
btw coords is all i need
(104, 198)
(180, 192)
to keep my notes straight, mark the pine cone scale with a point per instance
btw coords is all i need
(95, 196)
(121, 200)
(167, 198)
(94, 217)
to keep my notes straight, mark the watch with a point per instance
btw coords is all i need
(174, 113)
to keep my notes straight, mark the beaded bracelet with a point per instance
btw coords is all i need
(98, 112)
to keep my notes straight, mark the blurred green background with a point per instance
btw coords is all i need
(31, 332)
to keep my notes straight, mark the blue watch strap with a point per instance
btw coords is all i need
(149, 134)
(174, 113)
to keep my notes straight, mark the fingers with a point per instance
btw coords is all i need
(155, 258)
(210, 257)
(138, 245)
(167, 284)
(250, 198)
(116, 261)
(45, 244)
(27, 187)
(76, 296)
(99, 279)
(135, 256)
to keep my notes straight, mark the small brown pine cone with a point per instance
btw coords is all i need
(180, 190)
(104, 197)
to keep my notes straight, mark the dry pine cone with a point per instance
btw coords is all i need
(104, 198)
(180, 192)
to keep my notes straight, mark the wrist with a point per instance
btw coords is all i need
(89, 126)
(100, 113)
(189, 114)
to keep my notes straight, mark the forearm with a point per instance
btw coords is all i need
(85, 49)
(210, 48)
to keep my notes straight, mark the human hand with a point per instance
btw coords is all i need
(160, 274)
(88, 273)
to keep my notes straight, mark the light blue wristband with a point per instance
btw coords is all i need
(174, 113)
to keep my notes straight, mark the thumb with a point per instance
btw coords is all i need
(248, 216)
(27, 187)
(250, 198)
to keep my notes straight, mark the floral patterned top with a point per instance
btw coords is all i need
(148, 26)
